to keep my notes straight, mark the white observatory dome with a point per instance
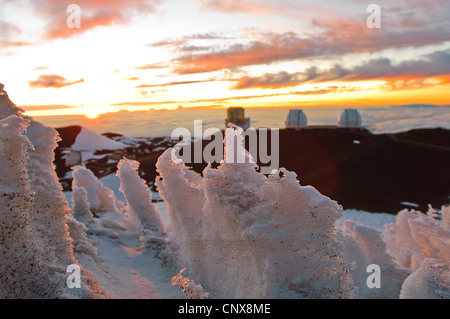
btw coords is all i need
(295, 119)
(349, 118)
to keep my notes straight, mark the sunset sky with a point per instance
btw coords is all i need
(142, 54)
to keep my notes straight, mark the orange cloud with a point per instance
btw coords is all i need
(170, 84)
(51, 81)
(277, 47)
(408, 73)
(46, 107)
(337, 37)
(215, 101)
(94, 13)
(235, 6)
(152, 66)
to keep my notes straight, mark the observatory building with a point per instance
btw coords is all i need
(236, 115)
(296, 119)
(349, 118)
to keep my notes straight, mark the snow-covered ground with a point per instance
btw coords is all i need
(129, 272)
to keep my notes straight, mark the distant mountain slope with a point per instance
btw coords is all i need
(376, 173)
(82, 139)
(360, 170)
(68, 135)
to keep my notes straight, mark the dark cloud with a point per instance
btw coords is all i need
(269, 81)
(183, 44)
(432, 65)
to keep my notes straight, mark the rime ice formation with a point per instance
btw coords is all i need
(364, 246)
(243, 235)
(100, 198)
(116, 219)
(139, 197)
(36, 247)
(15, 229)
(421, 243)
(254, 236)
(416, 236)
(183, 191)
